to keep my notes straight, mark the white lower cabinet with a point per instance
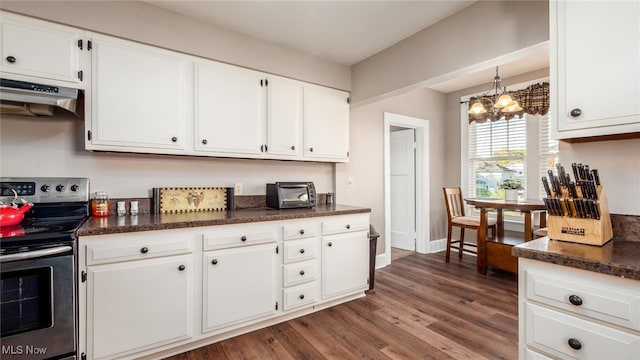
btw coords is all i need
(567, 313)
(345, 255)
(138, 305)
(152, 294)
(239, 285)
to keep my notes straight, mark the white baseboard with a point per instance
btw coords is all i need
(437, 246)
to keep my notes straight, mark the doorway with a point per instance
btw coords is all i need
(402, 168)
(419, 237)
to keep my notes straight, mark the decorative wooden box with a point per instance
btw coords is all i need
(584, 231)
(189, 199)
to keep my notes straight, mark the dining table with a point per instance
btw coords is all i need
(497, 251)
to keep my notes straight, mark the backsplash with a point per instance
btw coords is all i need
(240, 202)
(626, 227)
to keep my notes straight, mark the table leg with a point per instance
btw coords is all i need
(482, 244)
(500, 223)
(543, 219)
(528, 226)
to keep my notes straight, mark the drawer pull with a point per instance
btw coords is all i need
(244, 238)
(214, 261)
(575, 344)
(330, 243)
(11, 59)
(144, 250)
(348, 226)
(302, 297)
(301, 231)
(301, 272)
(181, 267)
(301, 251)
(575, 300)
(576, 112)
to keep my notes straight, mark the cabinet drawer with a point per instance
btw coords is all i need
(602, 297)
(300, 273)
(344, 224)
(299, 296)
(552, 331)
(114, 248)
(534, 355)
(300, 230)
(298, 250)
(238, 236)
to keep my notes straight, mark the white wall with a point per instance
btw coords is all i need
(478, 33)
(618, 163)
(54, 147)
(366, 167)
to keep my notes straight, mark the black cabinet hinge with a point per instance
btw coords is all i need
(276, 305)
(80, 44)
(83, 356)
(83, 276)
(89, 45)
(266, 148)
(80, 75)
(261, 83)
(348, 100)
(348, 154)
(266, 82)
(277, 249)
(89, 135)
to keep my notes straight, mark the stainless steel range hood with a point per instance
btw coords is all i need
(26, 98)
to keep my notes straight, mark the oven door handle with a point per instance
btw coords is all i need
(35, 254)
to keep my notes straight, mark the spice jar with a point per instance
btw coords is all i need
(100, 204)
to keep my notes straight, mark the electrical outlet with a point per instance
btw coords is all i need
(237, 189)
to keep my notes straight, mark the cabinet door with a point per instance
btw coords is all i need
(284, 117)
(345, 264)
(139, 99)
(326, 124)
(229, 109)
(239, 285)
(39, 49)
(597, 67)
(138, 304)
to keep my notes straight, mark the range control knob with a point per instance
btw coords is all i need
(60, 188)
(75, 187)
(45, 188)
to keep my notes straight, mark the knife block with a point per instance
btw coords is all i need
(584, 231)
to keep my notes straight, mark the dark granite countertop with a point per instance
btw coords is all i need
(618, 257)
(149, 222)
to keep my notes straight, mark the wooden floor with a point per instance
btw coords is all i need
(420, 308)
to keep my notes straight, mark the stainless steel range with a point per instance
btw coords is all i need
(38, 255)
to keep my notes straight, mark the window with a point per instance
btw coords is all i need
(497, 151)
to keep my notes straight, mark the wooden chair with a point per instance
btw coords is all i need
(456, 217)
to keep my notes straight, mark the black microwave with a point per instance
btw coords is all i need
(291, 195)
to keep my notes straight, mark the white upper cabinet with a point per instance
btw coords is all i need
(595, 67)
(40, 50)
(229, 109)
(139, 97)
(326, 124)
(284, 117)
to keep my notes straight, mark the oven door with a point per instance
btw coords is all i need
(37, 307)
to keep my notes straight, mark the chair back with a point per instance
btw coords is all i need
(453, 200)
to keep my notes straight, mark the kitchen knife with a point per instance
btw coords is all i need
(587, 173)
(576, 176)
(545, 183)
(568, 207)
(553, 184)
(596, 210)
(559, 170)
(572, 189)
(596, 176)
(587, 208)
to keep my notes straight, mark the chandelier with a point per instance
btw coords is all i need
(494, 105)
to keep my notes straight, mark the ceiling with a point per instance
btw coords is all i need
(345, 32)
